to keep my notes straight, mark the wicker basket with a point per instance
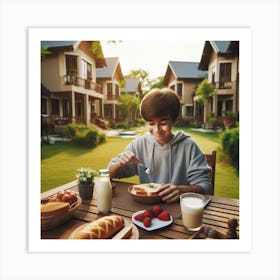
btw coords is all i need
(56, 220)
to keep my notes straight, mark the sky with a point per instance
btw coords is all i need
(152, 56)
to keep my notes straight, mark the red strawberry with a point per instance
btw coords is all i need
(147, 222)
(139, 217)
(164, 216)
(147, 213)
(156, 210)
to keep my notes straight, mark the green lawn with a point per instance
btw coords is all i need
(59, 162)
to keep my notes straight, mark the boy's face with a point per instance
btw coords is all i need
(160, 128)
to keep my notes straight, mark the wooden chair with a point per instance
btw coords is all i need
(211, 161)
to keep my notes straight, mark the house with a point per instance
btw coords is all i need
(184, 77)
(133, 87)
(111, 79)
(69, 92)
(221, 60)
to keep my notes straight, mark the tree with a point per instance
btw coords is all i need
(44, 52)
(128, 107)
(158, 82)
(204, 92)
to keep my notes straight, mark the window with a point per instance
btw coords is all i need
(55, 107)
(189, 110)
(117, 93)
(108, 111)
(86, 70)
(229, 105)
(71, 64)
(220, 108)
(180, 90)
(44, 110)
(109, 91)
(225, 72)
(65, 108)
(213, 73)
(78, 109)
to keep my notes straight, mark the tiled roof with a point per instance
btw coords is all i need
(220, 46)
(55, 44)
(108, 72)
(131, 85)
(183, 69)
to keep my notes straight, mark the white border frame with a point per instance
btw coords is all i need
(35, 36)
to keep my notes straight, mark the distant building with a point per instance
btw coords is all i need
(221, 60)
(184, 77)
(69, 91)
(111, 78)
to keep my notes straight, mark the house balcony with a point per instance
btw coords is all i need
(112, 97)
(59, 121)
(75, 80)
(225, 87)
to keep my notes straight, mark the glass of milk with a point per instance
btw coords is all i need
(192, 209)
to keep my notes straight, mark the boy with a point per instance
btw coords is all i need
(174, 160)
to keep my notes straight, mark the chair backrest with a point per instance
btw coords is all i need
(211, 161)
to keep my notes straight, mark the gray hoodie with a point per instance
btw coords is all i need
(180, 162)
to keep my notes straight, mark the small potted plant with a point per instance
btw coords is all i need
(86, 182)
(229, 119)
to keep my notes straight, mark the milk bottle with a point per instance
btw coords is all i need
(104, 192)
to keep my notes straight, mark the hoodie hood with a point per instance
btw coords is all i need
(157, 151)
(178, 137)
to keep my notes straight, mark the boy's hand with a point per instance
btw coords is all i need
(169, 193)
(127, 157)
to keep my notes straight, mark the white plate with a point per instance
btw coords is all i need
(156, 223)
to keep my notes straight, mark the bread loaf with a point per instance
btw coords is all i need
(102, 228)
(54, 208)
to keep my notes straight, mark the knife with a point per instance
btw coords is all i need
(206, 202)
(124, 233)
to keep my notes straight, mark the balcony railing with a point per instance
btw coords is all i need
(75, 80)
(224, 85)
(55, 120)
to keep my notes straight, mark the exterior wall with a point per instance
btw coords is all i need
(50, 73)
(53, 70)
(171, 78)
(187, 93)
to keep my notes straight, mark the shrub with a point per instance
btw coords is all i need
(212, 119)
(230, 145)
(85, 136)
(71, 130)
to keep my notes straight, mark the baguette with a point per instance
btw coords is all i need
(102, 228)
(54, 208)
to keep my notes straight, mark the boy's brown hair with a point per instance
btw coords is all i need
(160, 102)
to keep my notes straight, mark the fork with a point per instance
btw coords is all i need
(146, 169)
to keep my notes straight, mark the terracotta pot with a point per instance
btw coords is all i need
(86, 191)
(229, 122)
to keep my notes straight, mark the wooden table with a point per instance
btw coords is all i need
(216, 215)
